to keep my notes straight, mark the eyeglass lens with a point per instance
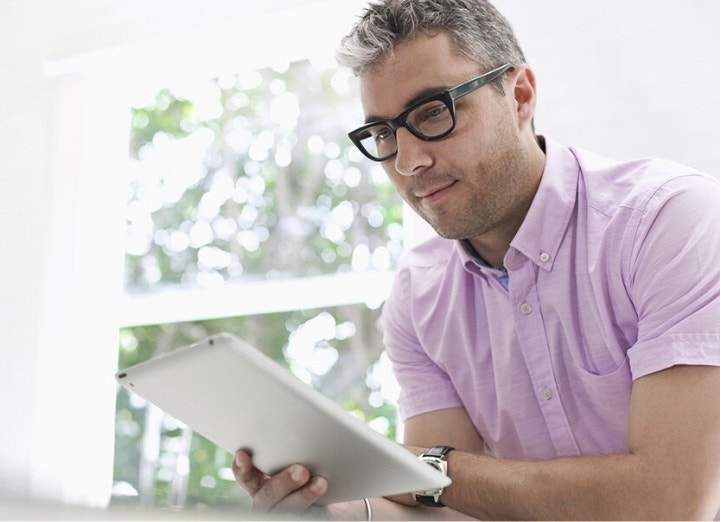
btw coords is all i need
(429, 120)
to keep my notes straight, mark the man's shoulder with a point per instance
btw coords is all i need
(611, 184)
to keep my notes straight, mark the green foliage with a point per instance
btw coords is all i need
(168, 115)
(267, 185)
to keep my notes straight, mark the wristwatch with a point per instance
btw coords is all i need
(434, 457)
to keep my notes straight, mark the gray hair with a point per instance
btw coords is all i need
(478, 30)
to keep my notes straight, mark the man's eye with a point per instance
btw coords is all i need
(382, 135)
(435, 111)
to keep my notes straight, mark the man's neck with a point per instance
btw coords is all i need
(493, 257)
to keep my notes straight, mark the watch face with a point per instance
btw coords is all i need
(435, 465)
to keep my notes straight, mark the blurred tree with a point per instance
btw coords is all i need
(244, 178)
(266, 185)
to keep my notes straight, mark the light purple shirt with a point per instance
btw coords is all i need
(613, 275)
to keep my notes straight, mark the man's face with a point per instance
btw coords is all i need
(474, 181)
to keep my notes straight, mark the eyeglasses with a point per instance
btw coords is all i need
(429, 119)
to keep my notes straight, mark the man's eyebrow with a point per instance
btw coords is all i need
(417, 97)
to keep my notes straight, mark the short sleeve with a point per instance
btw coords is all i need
(675, 276)
(424, 385)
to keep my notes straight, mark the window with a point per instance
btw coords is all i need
(247, 200)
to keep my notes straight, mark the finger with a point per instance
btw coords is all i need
(291, 491)
(303, 498)
(276, 488)
(246, 474)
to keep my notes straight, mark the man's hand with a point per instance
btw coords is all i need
(293, 490)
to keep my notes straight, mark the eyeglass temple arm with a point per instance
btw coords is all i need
(478, 82)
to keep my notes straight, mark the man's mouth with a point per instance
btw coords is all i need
(432, 194)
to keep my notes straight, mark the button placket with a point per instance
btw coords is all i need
(534, 345)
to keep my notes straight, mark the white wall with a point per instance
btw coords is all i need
(624, 78)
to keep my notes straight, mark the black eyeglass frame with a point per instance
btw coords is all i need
(447, 96)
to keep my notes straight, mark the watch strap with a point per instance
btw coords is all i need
(427, 500)
(438, 451)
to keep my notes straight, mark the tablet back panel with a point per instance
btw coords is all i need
(237, 397)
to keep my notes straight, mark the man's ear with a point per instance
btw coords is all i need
(525, 92)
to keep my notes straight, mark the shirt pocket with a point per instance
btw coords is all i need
(604, 403)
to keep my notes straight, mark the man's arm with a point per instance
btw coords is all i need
(672, 470)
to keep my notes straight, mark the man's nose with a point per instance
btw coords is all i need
(412, 153)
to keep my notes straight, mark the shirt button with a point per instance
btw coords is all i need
(525, 309)
(546, 393)
(544, 257)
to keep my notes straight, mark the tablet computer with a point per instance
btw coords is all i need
(239, 398)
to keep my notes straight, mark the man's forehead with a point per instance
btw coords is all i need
(414, 70)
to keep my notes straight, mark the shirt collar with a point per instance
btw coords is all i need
(544, 226)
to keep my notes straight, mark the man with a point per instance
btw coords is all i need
(563, 333)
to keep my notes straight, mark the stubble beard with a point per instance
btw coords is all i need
(493, 203)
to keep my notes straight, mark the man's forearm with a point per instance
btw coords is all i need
(606, 487)
(671, 470)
